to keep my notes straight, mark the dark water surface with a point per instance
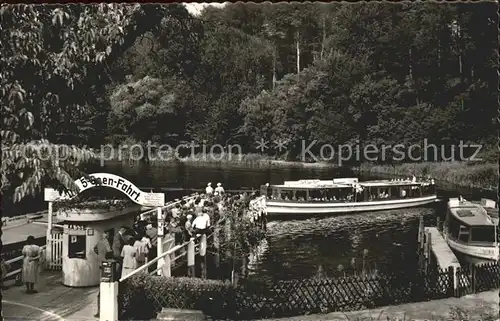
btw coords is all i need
(295, 248)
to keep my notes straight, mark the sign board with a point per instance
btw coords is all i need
(51, 195)
(113, 181)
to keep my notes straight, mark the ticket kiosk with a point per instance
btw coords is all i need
(82, 231)
(84, 228)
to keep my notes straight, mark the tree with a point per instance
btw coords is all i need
(53, 65)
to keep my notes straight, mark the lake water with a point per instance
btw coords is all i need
(295, 248)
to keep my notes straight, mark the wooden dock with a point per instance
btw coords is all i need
(442, 253)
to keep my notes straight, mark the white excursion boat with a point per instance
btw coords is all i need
(345, 195)
(470, 231)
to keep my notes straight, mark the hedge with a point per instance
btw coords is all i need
(143, 296)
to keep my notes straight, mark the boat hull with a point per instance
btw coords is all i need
(276, 208)
(474, 254)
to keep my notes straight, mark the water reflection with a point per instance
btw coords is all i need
(296, 248)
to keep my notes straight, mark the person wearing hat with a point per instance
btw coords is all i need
(209, 190)
(219, 190)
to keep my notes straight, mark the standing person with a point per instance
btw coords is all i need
(104, 252)
(188, 229)
(142, 250)
(145, 239)
(201, 223)
(129, 254)
(175, 231)
(31, 253)
(209, 190)
(219, 190)
(119, 242)
(152, 233)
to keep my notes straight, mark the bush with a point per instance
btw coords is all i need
(143, 296)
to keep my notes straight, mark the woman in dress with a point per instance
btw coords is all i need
(31, 253)
(129, 253)
(142, 248)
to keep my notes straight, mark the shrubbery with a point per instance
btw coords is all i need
(143, 296)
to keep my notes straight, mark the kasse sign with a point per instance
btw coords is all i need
(112, 181)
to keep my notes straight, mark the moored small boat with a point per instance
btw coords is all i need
(470, 231)
(346, 195)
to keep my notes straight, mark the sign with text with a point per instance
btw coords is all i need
(113, 181)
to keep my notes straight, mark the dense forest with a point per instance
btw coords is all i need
(336, 73)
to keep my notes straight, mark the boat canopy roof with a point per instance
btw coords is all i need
(470, 214)
(344, 183)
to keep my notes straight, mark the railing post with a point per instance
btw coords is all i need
(167, 266)
(159, 245)
(451, 281)
(227, 234)
(203, 257)
(473, 278)
(438, 223)
(108, 295)
(48, 253)
(190, 258)
(217, 246)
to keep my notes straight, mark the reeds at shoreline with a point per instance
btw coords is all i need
(464, 174)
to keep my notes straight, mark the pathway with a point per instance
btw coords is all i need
(54, 301)
(19, 233)
(476, 306)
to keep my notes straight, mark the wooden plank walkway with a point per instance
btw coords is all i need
(442, 252)
(53, 301)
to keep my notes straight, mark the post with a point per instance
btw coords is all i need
(227, 234)
(421, 232)
(428, 250)
(108, 300)
(203, 257)
(190, 257)
(217, 247)
(48, 248)
(159, 245)
(452, 276)
(473, 278)
(167, 266)
(438, 223)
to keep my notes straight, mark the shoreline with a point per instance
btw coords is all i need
(246, 160)
(461, 174)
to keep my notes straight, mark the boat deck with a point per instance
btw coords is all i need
(442, 252)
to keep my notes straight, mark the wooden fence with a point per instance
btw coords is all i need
(255, 300)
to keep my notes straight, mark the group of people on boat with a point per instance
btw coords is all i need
(219, 190)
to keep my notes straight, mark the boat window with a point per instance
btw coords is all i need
(383, 193)
(428, 190)
(301, 195)
(394, 192)
(483, 234)
(276, 194)
(453, 227)
(286, 195)
(464, 233)
(315, 195)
